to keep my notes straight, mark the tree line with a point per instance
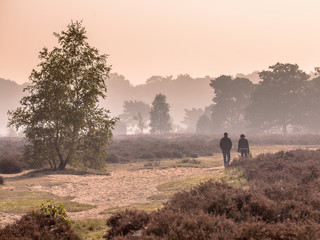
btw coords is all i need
(285, 98)
(64, 124)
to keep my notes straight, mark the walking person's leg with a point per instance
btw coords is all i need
(244, 153)
(224, 153)
(229, 157)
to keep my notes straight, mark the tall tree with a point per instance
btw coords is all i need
(135, 114)
(159, 115)
(310, 106)
(276, 102)
(191, 117)
(231, 98)
(204, 122)
(61, 118)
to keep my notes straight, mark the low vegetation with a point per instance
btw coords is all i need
(270, 196)
(25, 201)
(154, 148)
(49, 223)
(280, 200)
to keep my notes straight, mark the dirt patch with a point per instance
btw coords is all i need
(120, 188)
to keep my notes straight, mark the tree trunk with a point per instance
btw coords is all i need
(62, 165)
(284, 129)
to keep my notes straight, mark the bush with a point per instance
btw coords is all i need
(38, 226)
(112, 158)
(175, 225)
(193, 155)
(52, 211)
(1, 180)
(122, 224)
(281, 201)
(10, 164)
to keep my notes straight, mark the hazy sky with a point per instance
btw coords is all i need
(166, 37)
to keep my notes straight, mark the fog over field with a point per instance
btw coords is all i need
(198, 55)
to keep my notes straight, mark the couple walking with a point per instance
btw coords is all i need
(226, 145)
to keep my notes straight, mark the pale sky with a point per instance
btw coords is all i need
(166, 37)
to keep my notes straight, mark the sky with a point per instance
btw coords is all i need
(144, 38)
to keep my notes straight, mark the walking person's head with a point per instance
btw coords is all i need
(242, 136)
(225, 134)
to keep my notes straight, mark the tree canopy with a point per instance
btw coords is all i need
(159, 115)
(231, 98)
(191, 117)
(135, 114)
(60, 117)
(277, 100)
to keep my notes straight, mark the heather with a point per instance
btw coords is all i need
(280, 200)
(152, 147)
(38, 226)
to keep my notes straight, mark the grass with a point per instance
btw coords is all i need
(89, 229)
(168, 189)
(25, 201)
(147, 207)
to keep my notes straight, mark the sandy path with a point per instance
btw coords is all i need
(121, 188)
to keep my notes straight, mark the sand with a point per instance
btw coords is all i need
(120, 188)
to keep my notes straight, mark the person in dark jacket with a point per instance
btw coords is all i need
(226, 145)
(243, 146)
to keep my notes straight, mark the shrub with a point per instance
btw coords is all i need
(281, 201)
(126, 222)
(193, 155)
(38, 226)
(1, 180)
(52, 211)
(112, 158)
(175, 225)
(10, 164)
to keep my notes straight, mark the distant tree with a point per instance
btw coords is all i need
(310, 106)
(61, 118)
(277, 100)
(159, 115)
(204, 124)
(120, 128)
(191, 117)
(135, 114)
(231, 98)
(141, 122)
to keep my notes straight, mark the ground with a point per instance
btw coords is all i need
(123, 185)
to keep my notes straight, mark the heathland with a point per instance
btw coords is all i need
(174, 187)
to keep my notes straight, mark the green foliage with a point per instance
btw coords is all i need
(61, 118)
(50, 210)
(159, 115)
(89, 228)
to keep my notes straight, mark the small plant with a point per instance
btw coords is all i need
(193, 161)
(152, 164)
(1, 180)
(50, 210)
